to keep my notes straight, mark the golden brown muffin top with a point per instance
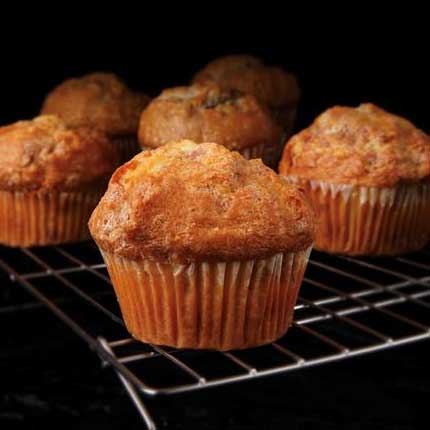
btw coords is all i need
(184, 202)
(270, 85)
(363, 146)
(98, 100)
(205, 113)
(44, 154)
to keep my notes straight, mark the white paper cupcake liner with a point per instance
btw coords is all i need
(43, 218)
(216, 305)
(255, 151)
(361, 220)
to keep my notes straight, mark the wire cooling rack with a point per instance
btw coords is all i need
(347, 307)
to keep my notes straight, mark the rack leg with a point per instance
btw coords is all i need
(134, 396)
(138, 403)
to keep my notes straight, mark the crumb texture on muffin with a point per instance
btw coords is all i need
(359, 146)
(100, 100)
(186, 202)
(44, 153)
(207, 113)
(270, 85)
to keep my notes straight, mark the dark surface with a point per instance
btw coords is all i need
(55, 380)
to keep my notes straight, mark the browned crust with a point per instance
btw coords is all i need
(205, 113)
(270, 85)
(185, 202)
(44, 154)
(363, 146)
(98, 100)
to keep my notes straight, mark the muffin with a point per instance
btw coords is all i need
(367, 174)
(272, 86)
(205, 249)
(206, 113)
(51, 179)
(102, 101)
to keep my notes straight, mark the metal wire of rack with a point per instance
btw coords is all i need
(347, 307)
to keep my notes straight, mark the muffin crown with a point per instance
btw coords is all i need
(185, 202)
(360, 146)
(207, 113)
(44, 154)
(270, 85)
(98, 100)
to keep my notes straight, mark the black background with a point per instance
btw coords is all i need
(378, 60)
(382, 60)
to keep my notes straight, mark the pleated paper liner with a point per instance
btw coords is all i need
(222, 306)
(254, 151)
(127, 146)
(359, 220)
(44, 218)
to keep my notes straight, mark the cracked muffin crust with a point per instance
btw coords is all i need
(102, 101)
(44, 153)
(188, 201)
(99, 100)
(362, 146)
(270, 85)
(367, 174)
(205, 249)
(206, 113)
(51, 178)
